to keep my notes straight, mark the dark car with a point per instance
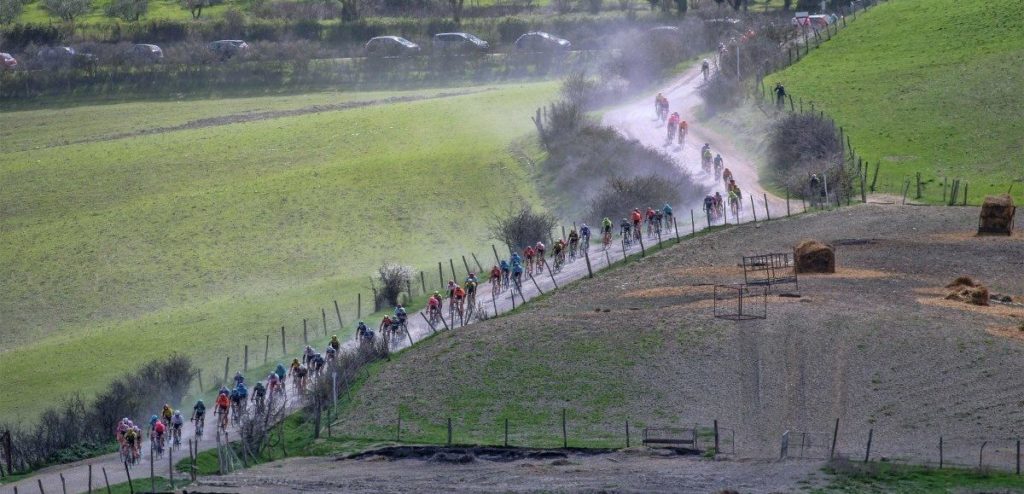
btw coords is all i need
(459, 43)
(541, 41)
(146, 53)
(228, 48)
(391, 46)
(7, 61)
(64, 56)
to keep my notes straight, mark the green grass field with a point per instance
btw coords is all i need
(202, 240)
(884, 478)
(929, 86)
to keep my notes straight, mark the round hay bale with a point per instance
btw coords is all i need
(812, 256)
(997, 215)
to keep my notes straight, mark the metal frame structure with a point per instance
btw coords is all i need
(770, 269)
(739, 293)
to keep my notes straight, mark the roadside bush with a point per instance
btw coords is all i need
(392, 280)
(721, 93)
(73, 429)
(559, 120)
(128, 10)
(621, 195)
(510, 28)
(347, 366)
(67, 10)
(10, 10)
(522, 226)
(18, 36)
(803, 144)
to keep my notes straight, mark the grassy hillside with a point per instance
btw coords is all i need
(201, 240)
(930, 86)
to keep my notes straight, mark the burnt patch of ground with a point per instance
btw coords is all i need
(624, 471)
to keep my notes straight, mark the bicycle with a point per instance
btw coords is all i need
(585, 244)
(176, 437)
(637, 234)
(222, 418)
(627, 239)
(199, 423)
(559, 261)
(573, 247)
(606, 239)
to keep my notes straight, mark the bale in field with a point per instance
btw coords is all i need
(968, 291)
(997, 215)
(812, 256)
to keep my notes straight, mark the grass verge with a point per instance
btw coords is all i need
(848, 477)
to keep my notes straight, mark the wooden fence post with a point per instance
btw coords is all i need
(305, 333)
(867, 453)
(506, 433)
(496, 258)
(565, 435)
(941, 458)
(227, 362)
(449, 431)
(643, 250)
(245, 360)
(440, 273)
(753, 208)
(835, 435)
(477, 261)
(359, 305)
(337, 311)
(767, 214)
(590, 272)
(266, 350)
(423, 282)
(323, 314)
(693, 224)
(627, 433)
(451, 264)
(874, 179)
(90, 479)
(284, 348)
(106, 480)
(466, 264)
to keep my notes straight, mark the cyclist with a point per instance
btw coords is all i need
(667, 211)
(734, 200)
(459, 299)
(259, 393)
(308, 354)
(239, 395)
(495, 274)
(672, 128)
(366, 334)
(177, 421)
(198, 414)
(650, 214)
(705, 68)
(166, 414)
(239, 378)
(318, 360)
(540, 256)
(606, 231)
(719, 165)
(517, 274)
(705, 158)
(625, 226)
(574, 241)
(585, 235)
(385, 326)
(119, 431)
(331, 353)
(660, 106)
(400, 314)
(281, 372)
(658, 218)
(726, 175)
(719, 203)
(470, 287)
(157, 433)
(709, 204)
(637, 218)
(293, 368)
(335, 344)
(273, 383)
(528, 254)
(131, 442)
(557, 248)
(434, 306)
(684, 128)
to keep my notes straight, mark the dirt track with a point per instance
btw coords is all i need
(624, 471)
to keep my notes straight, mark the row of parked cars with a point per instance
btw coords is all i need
(392, 46)
(66, 56)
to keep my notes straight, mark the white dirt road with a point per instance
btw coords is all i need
(636, 120)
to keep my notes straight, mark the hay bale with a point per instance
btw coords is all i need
(965, 289)
(812, 256)
(997, 215)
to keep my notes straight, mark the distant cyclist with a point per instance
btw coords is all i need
(684, 128)
(705, 68)
(667, 211)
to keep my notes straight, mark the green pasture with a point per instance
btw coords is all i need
(205, 240)
(926, 86)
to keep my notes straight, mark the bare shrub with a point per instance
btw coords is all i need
(392, 279)
(73, 429)
(803, 144)
(67, 10)
(721, 93)
(579, 89)
(129, 10)
(346, 367)
(522, 226)
(620, 195)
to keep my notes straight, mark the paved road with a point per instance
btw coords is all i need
(634, 120)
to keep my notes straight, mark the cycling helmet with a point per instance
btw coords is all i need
(624, 219)
(666, 205)
(400, 305)
(583, 226)
(470, 274)
(177, 413)
(153, 419)
(199, 402)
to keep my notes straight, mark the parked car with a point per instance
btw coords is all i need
(459, 43)
(541, 41)
(7, 61)
(391, 46)
(64, 56)
(146, 53)
(227, 48)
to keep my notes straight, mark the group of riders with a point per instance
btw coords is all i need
(711, 163)
(230, 405)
